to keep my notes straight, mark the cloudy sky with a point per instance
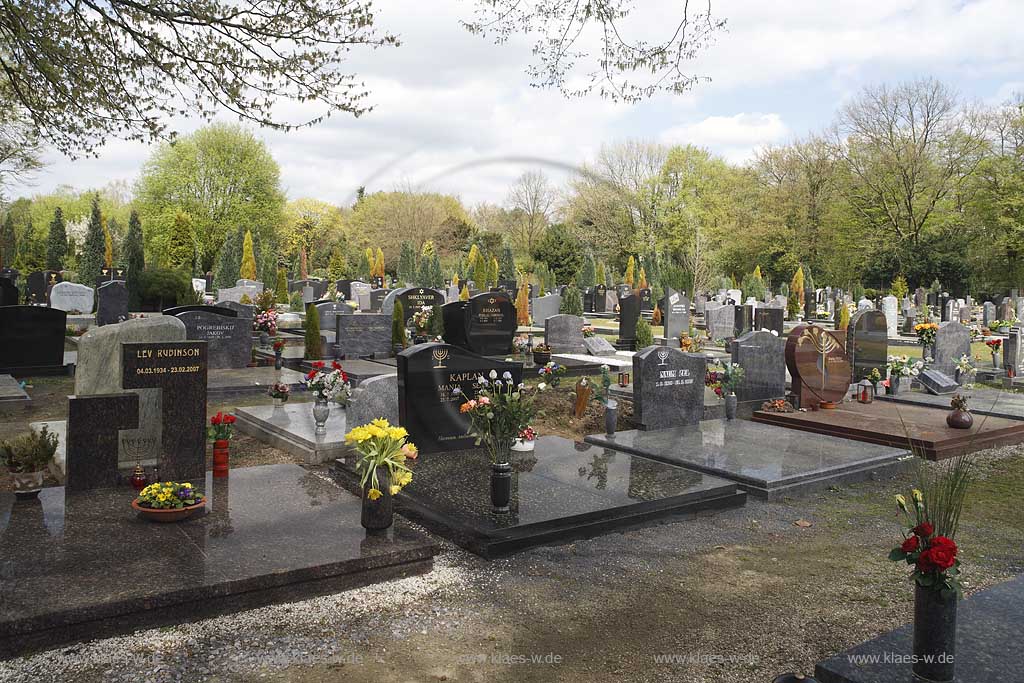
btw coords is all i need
(455, 113)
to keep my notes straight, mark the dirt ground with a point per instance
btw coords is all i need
(734, 596)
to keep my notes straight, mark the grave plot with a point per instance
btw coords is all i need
(885, 423)
(982, 401)
(11, 393)
(291, 428)
(561, 491)
(765, 461)
(83, 565)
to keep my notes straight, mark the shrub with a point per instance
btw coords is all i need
(398, 337)
(166, 286)
(29, 452)
(572, 302)
(644, 336)
(314, 344)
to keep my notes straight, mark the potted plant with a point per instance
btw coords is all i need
(926, 335)
(279, 391)
(278, 353)
(168, 501)
(265, 323)
(326, 385)
(221, 429)
(541, 354)
(959, 417)
(552, 373)
(526, 440)
(382, 465)
(964, 370)
(900, 369)
(521, 344)
(932, 518)
(499, 412)
(26, 458)
(994, 345)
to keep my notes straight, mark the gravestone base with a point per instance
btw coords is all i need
(561, 491)
(290, 429)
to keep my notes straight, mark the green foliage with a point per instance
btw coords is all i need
(572, 301)
(314, 343)
(899, 287)
(644, 335)
(507, 269)
(602, 278)
(247, 270)
(181, 249)
(8, 241)
(56, 242)
(753, 285)
(167, 286)
(365, 265)
(135, 260)
(30, 452)
(844, 317)
(229, 260)
(435, 325)
(436, 274)
(562, 252)
(857, 292)
(407, 266)
(481, 270)
(588, 272)
(337, 267)
(398, 336)
(629, 277)
(91, 262)
(281, 288)
(426, 273)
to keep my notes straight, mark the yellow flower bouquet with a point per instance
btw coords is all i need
(382, 445)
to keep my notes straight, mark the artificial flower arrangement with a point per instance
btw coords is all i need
(964, 365)
(588, 331)
(380, 444)
(778, 405)
(929, 548)
(521, 343)
(421, 318)
(265, 321)
(169, 495)
(279, 390)
(278, 345)
(689, 343)
(500, 411)
(328, 385)
(901, 366)
(725, 380)
(265, 300)
(541, 348)
(875, 376)
(528, 433)
(926, 333)
(222, 426)
(994, 345)
(552, 373)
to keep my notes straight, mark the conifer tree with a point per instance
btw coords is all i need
(314, 344)
(229, 260)
(247, 271)
(630, 277)
(108, 247)
(303, 264)
(181, 248)
(508, 262)
(91, 263)
(523, 303)
(378, 263)
(398, 336)
(588, 274)
(8, 242)
(281, 288)
(56, 242)
(572, 302)
(464, 294)
(601, 273)
(135, 260)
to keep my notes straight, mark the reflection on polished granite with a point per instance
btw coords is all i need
(291, 428)
(223, 382)
(989, 624)
(357, 370)
(993, 402)
(560, 491)
(85, 565)
(573, 367)
(11, 392)
(764, 460)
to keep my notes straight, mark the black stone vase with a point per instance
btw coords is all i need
(611, 416)
(378, 515)
(934, 635)
(501, 486)
(731, 402)
(278, 362)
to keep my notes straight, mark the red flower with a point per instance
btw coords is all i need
(940, 555)
(335, 365)
(344, 376)
(311, 375)
(216, 419)
(318, 364)
(910, 545)
(924, 529)
(229, 419)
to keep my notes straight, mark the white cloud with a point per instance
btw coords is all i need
(734, 137)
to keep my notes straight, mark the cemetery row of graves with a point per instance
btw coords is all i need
(428, 410)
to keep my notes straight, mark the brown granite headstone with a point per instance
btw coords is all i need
(818, 364)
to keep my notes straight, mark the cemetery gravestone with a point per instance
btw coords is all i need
(329, 312)
(735, 296)
(952, 340)
(700, 304)
(744, 320)
(377, 297)
(864, 305)
(937, 382)
(762, 355)
(676, 315)
(965, 315)
(611, 301)
(629, 315)
(668, 387)
(564, 333)
(818, 364)
(111, 303)
(890, 308)
(489, 323)
(72, 297)
(588, 300)
(428, 404)
(413, 299)
(770, 318)
(235, 294)
(8, 293)
(720, 322)
(598, 346)
(9, 274)
(646, 299)
(38, 283)
(544, 307)
(308, 295)
(600, 299)
(622, 290)
(229, 338)
(31, 337)
(988, 313)
(361, 335)
(255, 284)
(247, 311)
(1012, 351)
(359, 288)
(376, 397)
(199, 285)
(93, 433)
(867, 343)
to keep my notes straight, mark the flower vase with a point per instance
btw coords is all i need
(611, 416)
(731, 401)
(934, 635)
(278, 361)
(220, 458)
(960, 419)
(995, 363)
(378, 515)
(501, 485)
(523, 446)
(278, 403)
(264, 339)
(321, 411)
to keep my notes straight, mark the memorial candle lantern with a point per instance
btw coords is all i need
(623, 379)
(865, 391)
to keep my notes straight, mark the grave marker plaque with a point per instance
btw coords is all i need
(818, 364)
(867, 343)
(111, 303)
(952, 340)
(229, 338)
(668, 387)
(364, 334)
(564, 333)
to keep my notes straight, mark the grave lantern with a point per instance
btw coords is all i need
(865, 391)
(623, 379)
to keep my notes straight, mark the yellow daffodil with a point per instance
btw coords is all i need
(918, 496)
(902, 502)
(395, 488)
(373, 494)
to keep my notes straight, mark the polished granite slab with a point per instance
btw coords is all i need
(357, 370)
(11, 393)
(766, 461)
(562, 490)
(981, 401)
(223, 382)
(573, 367)
(902, 425)
(291, 428)
(989, 624)
(79, 566)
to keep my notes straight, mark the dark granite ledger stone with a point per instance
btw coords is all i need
(428, 407)
(937, 382)
(744, 320)
(362, 334)
(180, 370)
(668, 387)
(762, 356)
(94, 423)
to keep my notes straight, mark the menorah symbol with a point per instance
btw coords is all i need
(440, 355)
(824, 343)
(663, 357)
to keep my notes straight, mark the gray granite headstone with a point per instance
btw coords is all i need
(598, 346)
(243, 310)
(229, 339)
(70, 296)
(988, 313)
(611, 300)
(564, 333)
(668, 387)
(762, 355)
(1012, 350)
(544, 307)
(374, 398)
(111, 303)
(363, 334)
(952, 340)
(676, 315)
(700, 304)
(720, 321)
(937, 382)
(965, 314)
(256, 284)
(890, 306)
(236, 293)
(329, 312)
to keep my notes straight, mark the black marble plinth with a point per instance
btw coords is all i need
(768, 462)
(989, 624)
(84, 565)
(560, 491)
(94, 423)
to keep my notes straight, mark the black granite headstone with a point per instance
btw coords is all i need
(668, 387)
(8, 293)
(92, 438)
(769, 318)
(415, 298)
(179, 369)
(9, 274)
(344, 288)
(629, 314)
(867, 343)
(219, 310)
(646, 299)
(428, 407)
(485, 324)
(31, 337)
(744, 320)
(600, 299)
(111, 302)
(228, 337)
(377, 297)
(676, 314)
(588, 300)
(762, 356)
(39, 283)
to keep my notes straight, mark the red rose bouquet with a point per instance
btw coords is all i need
(221, 426)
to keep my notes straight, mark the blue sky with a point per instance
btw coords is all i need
(446, 98)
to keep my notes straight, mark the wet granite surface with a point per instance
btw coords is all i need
(222, 382)
(78, 565)
(560, 491)
(291, 428)
(981, 401)
(989, 624)
(764, 460)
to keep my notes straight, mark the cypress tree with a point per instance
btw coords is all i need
(56, 242)
(281, 288)
(600, 273)
(398, 337)
(378, 263)
(493, 274)
(588, 274)
(480, 272)
(572, 302)
(407, 271)
(181, 250)
(436, 275)
(425, 275)
(135, 260)
(336, 266)
(523, 304)
(8, 242)
(314, 345)
(303, 264)
(508, 262)
(247, 270)
(630, 277)
(108, 247)
(91, 263)
(229, 261)
(464, 294)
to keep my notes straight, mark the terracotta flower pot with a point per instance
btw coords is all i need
(220, 458)
(170, 514)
